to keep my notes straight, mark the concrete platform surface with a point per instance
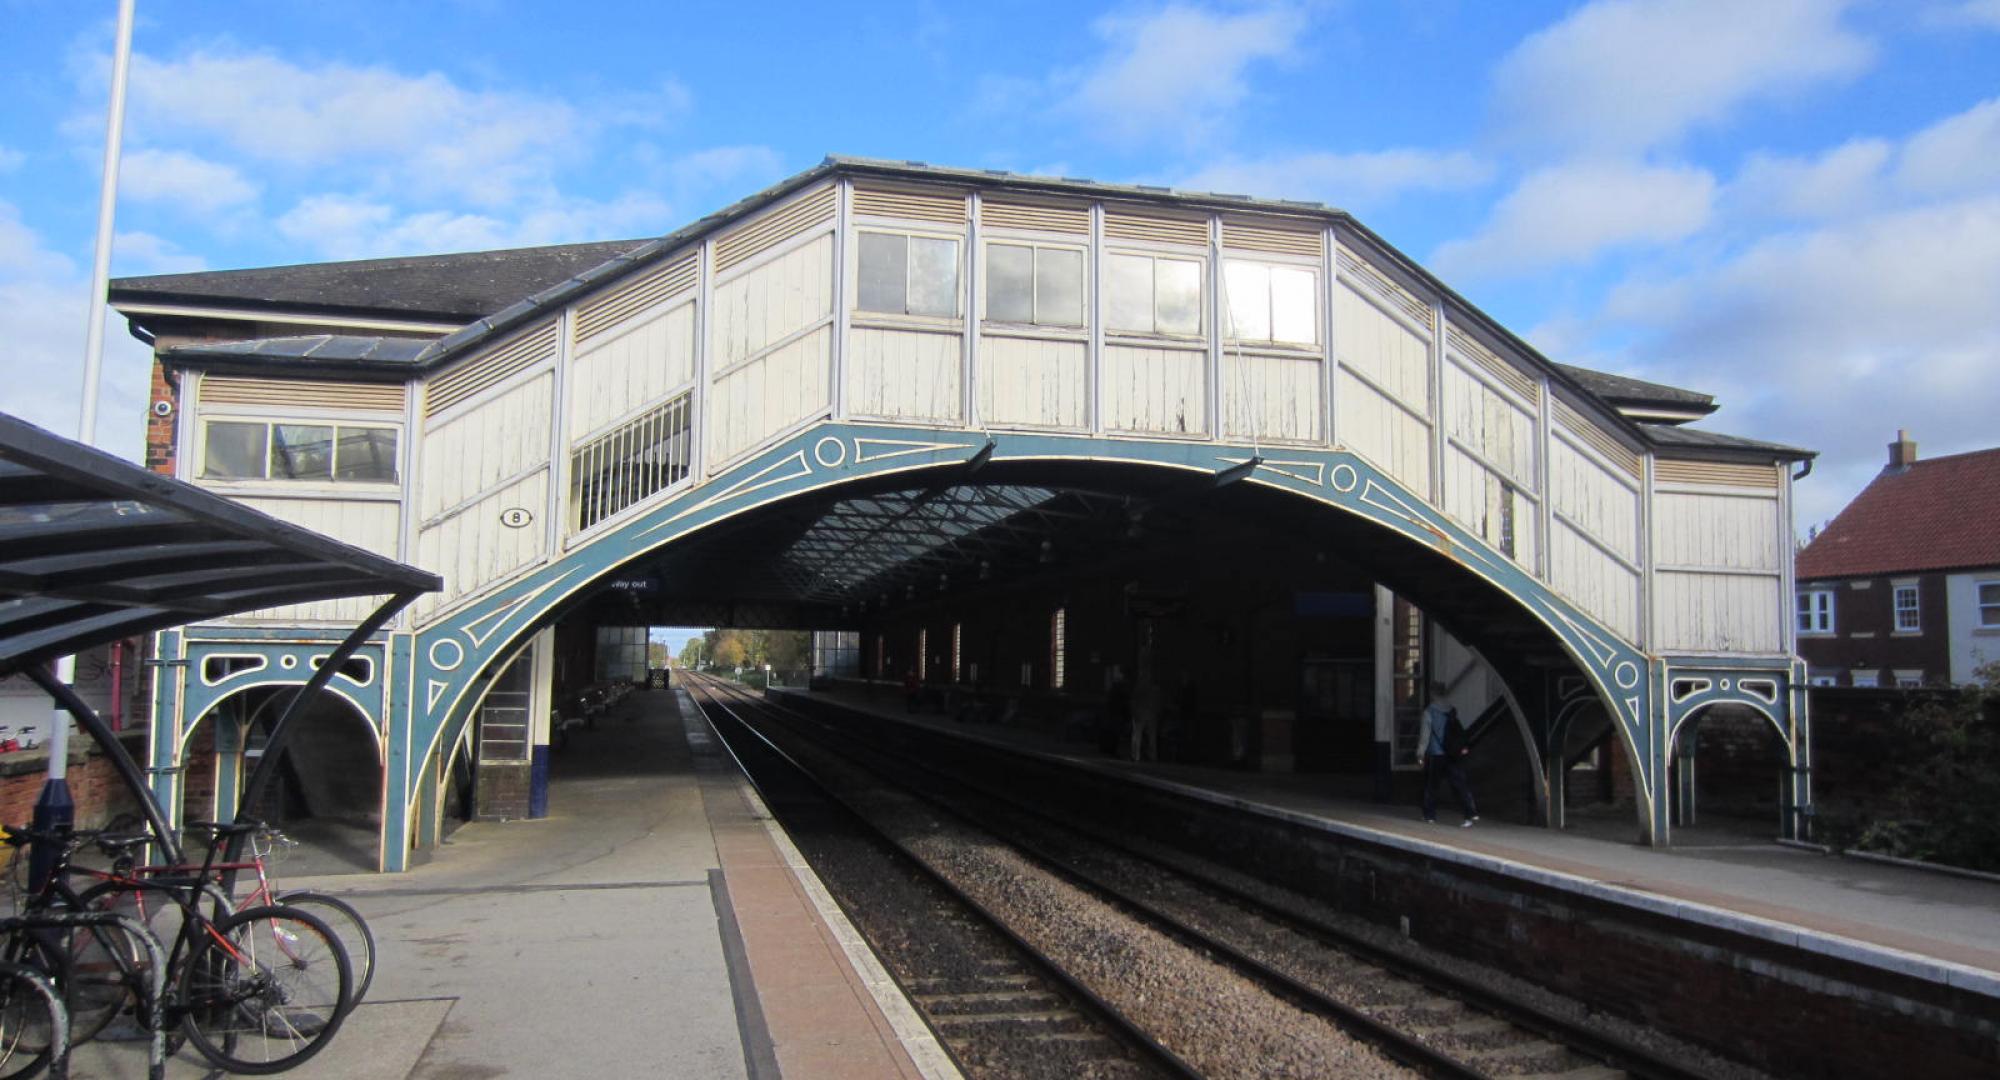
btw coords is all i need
(656, 924)
(1922, 921)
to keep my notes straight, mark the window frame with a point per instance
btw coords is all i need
(1808, 609)
(270, 422)
(1203, 314)
(1897, 609)
(958, 297)
(1081, 249)
(1874, 679)
(1268, 264)
(1986, 614)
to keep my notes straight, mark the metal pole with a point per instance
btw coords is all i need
(55, 808)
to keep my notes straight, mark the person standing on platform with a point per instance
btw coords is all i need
(1441, 743)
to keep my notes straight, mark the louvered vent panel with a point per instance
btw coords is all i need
(1398, 297)
(948, 207)
(491, 369)
(364, 397)
(1510, 376)
(1156, 228)
(1716, 472)
(774, 228)
(1581, 426)
(1014, 215)
(614, 307)
(1280, 239)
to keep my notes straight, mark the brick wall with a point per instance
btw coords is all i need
(94, 785)
(160, 430)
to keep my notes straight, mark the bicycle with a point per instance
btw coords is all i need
(34, 1025)
(255, 991)
(349, 928)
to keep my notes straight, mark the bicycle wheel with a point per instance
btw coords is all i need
(266, 989)
(32, 1021)
(347, 925)
(93, 999)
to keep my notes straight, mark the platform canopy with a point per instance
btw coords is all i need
(93, 549)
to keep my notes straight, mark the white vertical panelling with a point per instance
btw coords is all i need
(843, 292)
(471, 549)
(904, 374)
(1491, 424)
(768, 395)
(1095, 317)
(765, 305)
(968, 406)
(1388, 353)
(1729, 532)
(1374, 426)
(1594, 498)
(371, 524)
(616, 375)
(1159, 391)
(1719, 613)
(1593, 580)
(1271, 397)
(484, 445)
(1033, 382)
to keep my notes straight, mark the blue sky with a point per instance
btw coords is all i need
(1791, 204)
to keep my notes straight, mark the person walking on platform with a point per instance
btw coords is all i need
(1441, 742)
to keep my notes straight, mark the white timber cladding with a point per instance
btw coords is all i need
(469, 378)
(769, 326)
(632, 370)
(370, 524)
(1719, 563)
(909, 204)
(904, 374)
(1382, 387)
(472, 549)
(489, 445)
(227, 391)
(1271, 397)
(1154, 379)
(1594, 526)
(1156, 391)
(611, 309)
(1033, 382)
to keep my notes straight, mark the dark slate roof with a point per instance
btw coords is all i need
(1623, 390)
(447, 288)
(330, 350)
(1941, 514)
(1686, 438)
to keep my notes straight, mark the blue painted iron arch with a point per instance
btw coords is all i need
(449, 655)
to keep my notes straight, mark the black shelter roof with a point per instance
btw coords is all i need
(93, 548)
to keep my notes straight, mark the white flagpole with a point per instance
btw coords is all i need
(55, 807)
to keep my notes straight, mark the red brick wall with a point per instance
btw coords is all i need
(94, 786)
(160, 447)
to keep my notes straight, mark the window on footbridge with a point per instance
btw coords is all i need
(1034, 284)
(329, 453)
(907, 274)
(1271, 304)
(1152, 295)
(629, 463)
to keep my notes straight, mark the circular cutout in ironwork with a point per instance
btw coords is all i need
(517, 517)
(1344, 478)
(288, 662)
(1627, 674)
(833, 459)
(1725, 684)
(447, 654)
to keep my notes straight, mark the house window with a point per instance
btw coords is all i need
(1823, 680)
(1151, 294)
(1271, 304)
(1908, 616)
(1816, 612)
(1035, 285)
(908, 275)
(1909, 680)
(327, 453)
(1056, 673)
(1866, 679)
(1989, 603)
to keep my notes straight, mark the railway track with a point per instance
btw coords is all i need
(1418, 1014)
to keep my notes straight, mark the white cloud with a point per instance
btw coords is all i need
(1840, 181)
(183, 180)
(1834, 337)
(720, 165)
(10, 159)
(1982, 13)
(21, 252)
(1632, 74)
(136, 253)
(1177, 71)
(342, 226)
(1959, 153)
(1353, 179)
(1573, 212)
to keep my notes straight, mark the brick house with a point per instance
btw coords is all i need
(1903, 587)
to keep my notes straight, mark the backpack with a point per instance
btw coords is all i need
(1455, 741)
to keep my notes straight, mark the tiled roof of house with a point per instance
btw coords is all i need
(1940, 514)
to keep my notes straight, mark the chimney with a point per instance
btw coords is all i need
(1902, 452)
